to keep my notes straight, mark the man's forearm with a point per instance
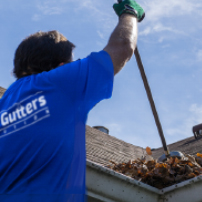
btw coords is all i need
(125, 32)
(122, 42)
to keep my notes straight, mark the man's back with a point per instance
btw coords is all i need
(42, 131)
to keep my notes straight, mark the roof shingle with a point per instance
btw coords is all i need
(101, 148)
(2, 90)
(189, 146)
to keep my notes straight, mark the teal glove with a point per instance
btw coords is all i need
(131, 7)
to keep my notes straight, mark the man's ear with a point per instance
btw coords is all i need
(62, 63)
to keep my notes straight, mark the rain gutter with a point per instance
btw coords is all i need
(105, 185)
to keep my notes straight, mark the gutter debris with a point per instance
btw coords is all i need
(160, 175)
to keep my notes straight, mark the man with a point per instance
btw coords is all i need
(43, 113)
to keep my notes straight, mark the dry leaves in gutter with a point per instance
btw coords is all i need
(160, 175)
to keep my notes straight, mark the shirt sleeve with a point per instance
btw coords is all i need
(89, 80)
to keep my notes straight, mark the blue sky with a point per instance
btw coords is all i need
(170, 44)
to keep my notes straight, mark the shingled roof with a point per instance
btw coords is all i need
(101, 148)
(2, 90)
(189, 146)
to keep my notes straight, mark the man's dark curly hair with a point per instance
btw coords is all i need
(40, 52)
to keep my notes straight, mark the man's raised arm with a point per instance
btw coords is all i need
(122, 42)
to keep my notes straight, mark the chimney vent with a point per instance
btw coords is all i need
(102, 129)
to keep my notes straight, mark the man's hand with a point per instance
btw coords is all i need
(130, 7)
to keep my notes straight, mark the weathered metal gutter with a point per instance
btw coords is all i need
(187, 191)
(104, 184)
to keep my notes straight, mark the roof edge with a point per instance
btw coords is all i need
(143, 185)
(123, 177)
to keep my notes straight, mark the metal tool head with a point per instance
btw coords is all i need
(173, 154)
(197, 130)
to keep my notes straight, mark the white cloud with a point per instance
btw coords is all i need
(88, 4)
(146, 31)
(85, 10)
(161, 39)
(174, 132)
(197, 111)
(163, 32)
(158, 9)
(116, 128)
(36, 17)
(199, 55)
(102, 18)
(48, 8)
(156, 28)
(100, 34)
(91, 6)
(185, 129)
(51, 7)
(176, 16)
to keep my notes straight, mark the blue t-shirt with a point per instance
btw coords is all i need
(42, 130)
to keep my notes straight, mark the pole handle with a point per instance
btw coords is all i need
(151, 101)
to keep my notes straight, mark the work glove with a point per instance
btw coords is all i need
(131, 7)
